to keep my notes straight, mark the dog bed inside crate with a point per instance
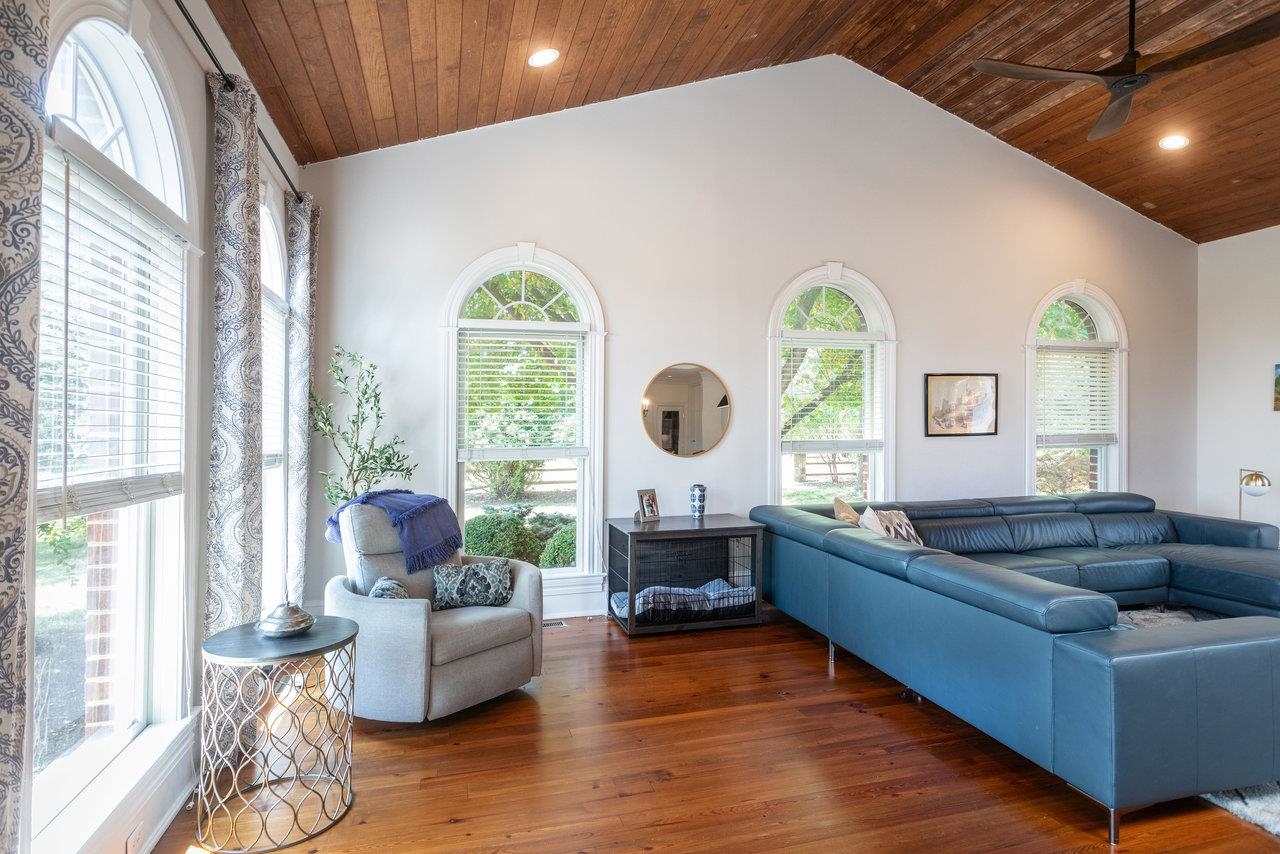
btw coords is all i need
(717, 599)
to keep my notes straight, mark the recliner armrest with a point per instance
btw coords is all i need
(393, 651)
(526, 595)
(1216, 531)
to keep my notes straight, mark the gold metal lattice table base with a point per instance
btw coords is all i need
(275, 742)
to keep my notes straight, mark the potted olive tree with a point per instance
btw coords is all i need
(364, 460)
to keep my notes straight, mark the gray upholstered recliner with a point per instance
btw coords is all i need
(416, 664)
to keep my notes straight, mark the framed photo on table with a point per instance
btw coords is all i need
(960, 404)
(648, 505)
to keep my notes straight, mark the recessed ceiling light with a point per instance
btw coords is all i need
(1174, 141)
(546, 56)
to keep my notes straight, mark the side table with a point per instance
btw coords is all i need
(275, 736)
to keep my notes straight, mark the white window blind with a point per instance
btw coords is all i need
(519, 394)
(832, 397)
(110, 401)
(1076, 396)
(273, 382)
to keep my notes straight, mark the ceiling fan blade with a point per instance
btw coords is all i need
(1257, 33)
(1018, 71)
(1113, 117)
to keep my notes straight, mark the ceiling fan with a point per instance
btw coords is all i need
(1135, 71)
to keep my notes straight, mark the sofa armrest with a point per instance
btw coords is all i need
(1025, 599)
(1156, 714)
(1216, 531)
(526, 594)
(393, 652)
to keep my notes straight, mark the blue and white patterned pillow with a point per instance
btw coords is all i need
(460, 586)
(388, 588)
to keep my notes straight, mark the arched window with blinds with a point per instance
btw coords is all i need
(110, 403)
(1076, 351)
(524, 468)
(832, 353)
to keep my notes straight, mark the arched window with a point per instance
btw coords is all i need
(101, 87)
(110, 414)
(525, 457)
(1076, 350)
(275, 316)
(832, 364)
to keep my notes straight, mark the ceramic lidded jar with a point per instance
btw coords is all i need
(697, 500)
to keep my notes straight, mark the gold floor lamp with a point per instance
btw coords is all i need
(1252, 483)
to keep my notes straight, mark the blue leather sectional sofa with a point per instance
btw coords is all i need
(1007, 618)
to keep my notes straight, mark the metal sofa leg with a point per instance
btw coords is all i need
(831, 650)
(1113, 826)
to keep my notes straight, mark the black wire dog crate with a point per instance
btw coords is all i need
(684, 573)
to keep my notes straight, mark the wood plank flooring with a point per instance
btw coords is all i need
(729, 740)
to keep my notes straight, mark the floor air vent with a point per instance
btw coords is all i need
(553, 624)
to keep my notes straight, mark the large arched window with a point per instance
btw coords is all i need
(101, 87)
(525, 353)
(110, 415)
(275, 318)
(1076, 349)
(832, 365)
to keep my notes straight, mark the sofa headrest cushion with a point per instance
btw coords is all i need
(1132, 529)
(1112, 502)
(1050, 531)
(966, 535)
(951, 509)
(1015, 505)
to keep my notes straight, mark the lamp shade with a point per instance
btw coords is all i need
(1255, 483)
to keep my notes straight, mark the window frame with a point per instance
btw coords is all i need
(1112, 335)
(881, 332)
(273, 221)
(528, 256)
(168, 674)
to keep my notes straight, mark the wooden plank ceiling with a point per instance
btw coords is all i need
(344, 76)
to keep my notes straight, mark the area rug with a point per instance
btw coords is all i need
(1258, 805)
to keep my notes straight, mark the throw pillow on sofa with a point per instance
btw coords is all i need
(388, 588)
(461, 586)
(893, 524)
(846, 513)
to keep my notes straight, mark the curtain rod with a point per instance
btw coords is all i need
(226, 78)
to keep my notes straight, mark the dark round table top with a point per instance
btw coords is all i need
(244, 645)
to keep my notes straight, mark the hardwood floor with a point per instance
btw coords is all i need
(737, 739)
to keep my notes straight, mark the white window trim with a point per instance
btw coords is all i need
(1116, 336)
(134, 18)
(881, 328)
(168, 741)
(528, 256)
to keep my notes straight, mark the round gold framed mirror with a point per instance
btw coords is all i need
(686, 409)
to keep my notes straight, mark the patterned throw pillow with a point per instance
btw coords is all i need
(891, 523)
(846, 513)
(459, 586)
(388, 588)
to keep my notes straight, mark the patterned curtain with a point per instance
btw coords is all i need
(24, 58)
(301, 233)
(234, 592)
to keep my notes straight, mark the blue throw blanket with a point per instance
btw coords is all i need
(429, 532)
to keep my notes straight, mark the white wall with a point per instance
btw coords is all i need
(691, 208)
(1239, 347)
